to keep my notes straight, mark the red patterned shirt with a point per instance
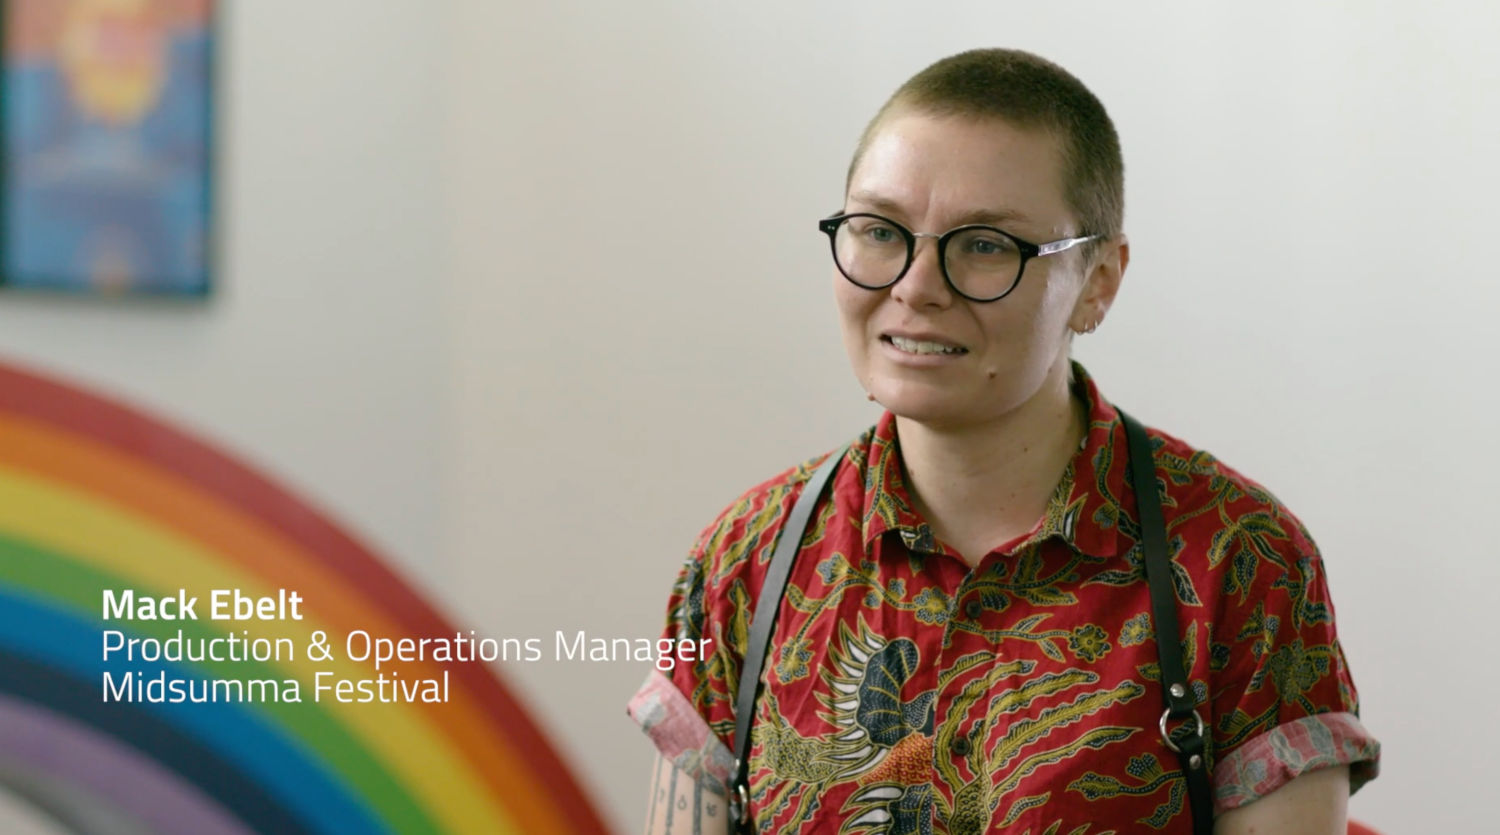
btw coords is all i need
(908, 693)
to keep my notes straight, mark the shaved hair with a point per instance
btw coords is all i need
(1028, 92)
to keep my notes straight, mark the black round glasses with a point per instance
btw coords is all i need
(980, 263)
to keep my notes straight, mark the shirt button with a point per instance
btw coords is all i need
(961, 746)
(973, 609)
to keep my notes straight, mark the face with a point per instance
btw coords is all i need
(932, 173)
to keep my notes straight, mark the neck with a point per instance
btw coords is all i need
(981, 485)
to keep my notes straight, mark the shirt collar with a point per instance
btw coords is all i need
(1083, 510)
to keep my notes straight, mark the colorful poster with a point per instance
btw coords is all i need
(105, 167)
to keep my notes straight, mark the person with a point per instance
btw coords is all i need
(965, 642)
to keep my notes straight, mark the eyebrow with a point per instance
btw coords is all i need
(885, 205)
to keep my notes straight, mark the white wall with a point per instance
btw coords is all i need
(1309, 195)
(474, 303)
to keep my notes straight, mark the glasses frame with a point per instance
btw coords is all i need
(830, 227)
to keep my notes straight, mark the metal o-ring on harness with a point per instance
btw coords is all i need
(1200, 729)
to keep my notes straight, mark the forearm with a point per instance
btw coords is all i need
(1312, 804)
(681, 805)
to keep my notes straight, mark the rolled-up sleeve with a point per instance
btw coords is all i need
(1285, 702)
(677, 730)
(688, 710)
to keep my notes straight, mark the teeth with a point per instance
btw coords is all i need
(917, 347)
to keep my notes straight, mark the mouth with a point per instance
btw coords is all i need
(922, 346)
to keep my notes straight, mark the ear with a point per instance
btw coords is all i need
(1106, 271)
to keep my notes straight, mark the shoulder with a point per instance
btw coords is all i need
(1209, 505)
(1237, 544)
(1205, 493)
(743, 532)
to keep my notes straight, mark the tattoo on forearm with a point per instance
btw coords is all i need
(671, 799)
(656, 791)
(698, 808)
(672, 811)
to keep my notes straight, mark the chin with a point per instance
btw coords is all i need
(919, 403)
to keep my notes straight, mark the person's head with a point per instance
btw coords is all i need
(999, 138)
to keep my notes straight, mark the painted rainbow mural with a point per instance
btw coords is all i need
(95, 495)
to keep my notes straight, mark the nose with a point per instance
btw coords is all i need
(923, 285)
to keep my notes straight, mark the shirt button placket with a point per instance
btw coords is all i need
(972, 609)
(964, 615)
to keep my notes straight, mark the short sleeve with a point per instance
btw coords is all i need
(688, 710)
(674, 707)
(1283, 700)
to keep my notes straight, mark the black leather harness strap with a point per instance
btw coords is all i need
(1177, 692)
(1176, 689)
(788, 542)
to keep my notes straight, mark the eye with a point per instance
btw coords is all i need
(988, 245)
(872, 231)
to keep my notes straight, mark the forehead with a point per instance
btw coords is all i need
(945, 170)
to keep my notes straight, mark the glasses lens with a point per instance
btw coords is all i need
(870, 251)
(983, 263)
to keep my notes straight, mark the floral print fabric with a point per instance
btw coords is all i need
(907, 693)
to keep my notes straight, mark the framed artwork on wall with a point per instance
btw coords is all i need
(106, 163)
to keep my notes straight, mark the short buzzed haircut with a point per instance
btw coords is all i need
(1027, 91)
